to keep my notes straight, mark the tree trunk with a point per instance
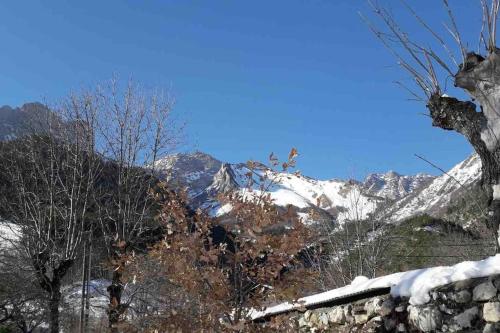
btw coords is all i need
(55, 298)
(115, 294)
(480, 78)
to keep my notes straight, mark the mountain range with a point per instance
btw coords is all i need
(386, 196)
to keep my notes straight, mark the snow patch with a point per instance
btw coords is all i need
(496, 192)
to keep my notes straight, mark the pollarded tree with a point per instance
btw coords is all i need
(477, 74)
(50, 175)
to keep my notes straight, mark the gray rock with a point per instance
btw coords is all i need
(496, 281)
(426, 319)
(313, 319)
(337, 316)
(400, 308)
(302, 322)
(463, 297)
(465, 319)
(491, 312)
(484, 291)
(307, 315)
(390, 324)
(401, 328)
(348, 314)
(386, 307)
(443, 308)
(464, 284)
(361, 318)
(373, 306)
(323, 319)
(318, 320)
(491, 328)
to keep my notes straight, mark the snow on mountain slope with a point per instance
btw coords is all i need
(439, 194)
(194, 171)
(205, 177)
(343, 199)
(392, 196)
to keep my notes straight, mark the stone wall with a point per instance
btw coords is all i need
(466, 306)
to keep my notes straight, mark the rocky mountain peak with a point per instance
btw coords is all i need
(224, 180)
(389, 195)
(391, 185)
(194, 171)
(16, 122)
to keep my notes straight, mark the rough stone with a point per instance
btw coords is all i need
(302, 322)
(400, 308)
(401, 328)
(307, 315)
(373, 306)
(443, 308)
(348, 314)
(463, 297)
(323, 319)
(319, 320)
(313, 319)
(390, 324)
(361, 318)
(337, 316)
(491, 328)
(465, 319)
(426, 319)
(386, 308)
(491, 312)
(374, 325)
(484, 291)
(473, 309)
(496, 282)
(464, 284)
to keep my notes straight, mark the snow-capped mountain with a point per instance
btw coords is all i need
(205, 177)
(194, 172)
(439, 194)
(394, 186)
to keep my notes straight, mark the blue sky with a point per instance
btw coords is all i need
(249, 77)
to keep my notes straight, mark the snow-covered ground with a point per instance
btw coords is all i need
(414, 284)
(98, 297)
(9, 234)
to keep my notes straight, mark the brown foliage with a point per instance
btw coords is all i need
(219, 272)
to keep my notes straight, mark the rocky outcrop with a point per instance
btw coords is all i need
(394, 186)
(224, 181)
(439, 194)
(466, 306)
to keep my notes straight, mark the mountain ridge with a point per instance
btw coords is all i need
(338, 199)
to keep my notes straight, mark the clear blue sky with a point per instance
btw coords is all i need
(250, 77)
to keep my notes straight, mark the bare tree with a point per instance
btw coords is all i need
(135, 127)
(51, 173)
(348, 249)
(478, 75)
